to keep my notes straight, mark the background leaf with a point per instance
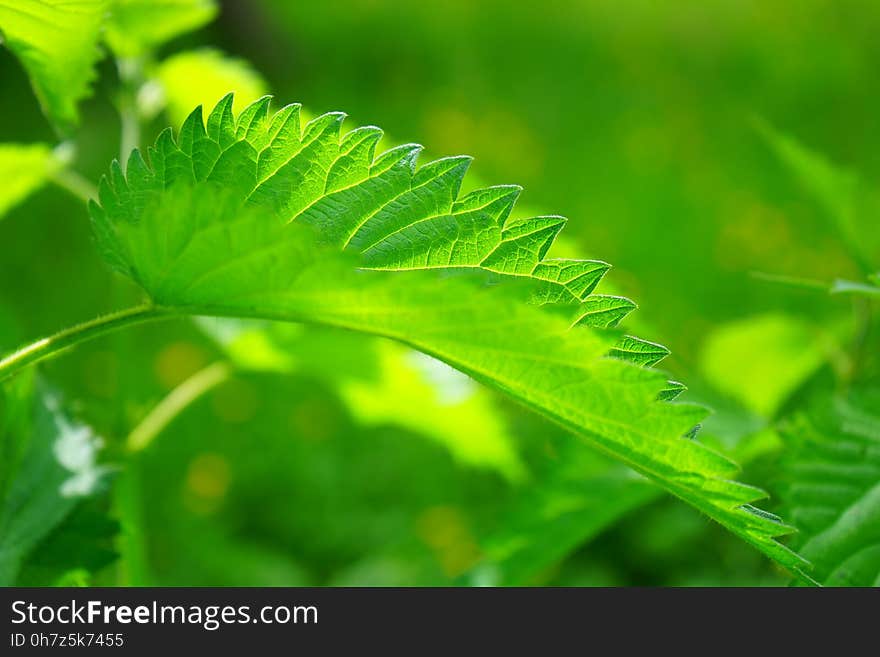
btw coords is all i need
(762, 360)
(831, 488)
(49, 466)
(849, 203)
(57, 43)
(381, 383)
(203, 77)
(23, 169)
(137, 27)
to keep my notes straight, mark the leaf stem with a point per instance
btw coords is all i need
(793, 281)
(131, 132)
(175, 402)
(76, 184)
(52, 345)
(130, 74)
(133, 566)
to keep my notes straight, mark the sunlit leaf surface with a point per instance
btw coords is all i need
(57, 43)
(258, 216)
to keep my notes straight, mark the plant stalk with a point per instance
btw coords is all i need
(175, 402)
(76, 184)
(52, 345)
(130, 75)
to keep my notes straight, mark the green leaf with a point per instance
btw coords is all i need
(24, 168)
(575, 501)
(760, 361)
(137, 27)
(57, 42)
(49, 466)
(203, 77)
(82, 544)
(554, 512)
(851, 207)
(381, 383)
(261, 217)
(831, 489)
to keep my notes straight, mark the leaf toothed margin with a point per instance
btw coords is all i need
(400, 217)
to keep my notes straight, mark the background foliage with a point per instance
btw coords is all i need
(691, 147)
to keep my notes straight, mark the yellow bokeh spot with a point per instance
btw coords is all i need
(207, 482)
(177, 362)
(444, 530)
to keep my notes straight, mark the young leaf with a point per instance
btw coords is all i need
(831, 489)
(202, 77)
(217, 225)
(136, 27)
(57, 43)
(24, 168)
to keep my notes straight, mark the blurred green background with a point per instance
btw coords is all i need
(636, 120)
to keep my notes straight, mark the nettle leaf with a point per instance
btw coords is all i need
(831, 489)
(57, 43)
(580, 496)
(136, 27)
(24, 168)
(260, 216)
